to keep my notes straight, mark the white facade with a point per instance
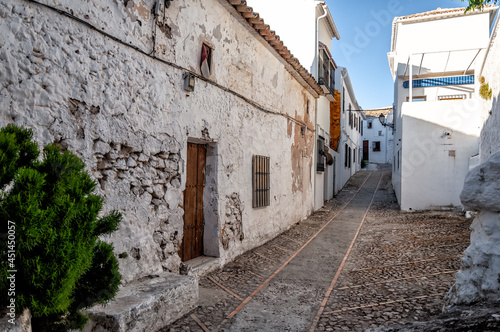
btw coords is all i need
(126, 113)
(352, 117)
(307, 41)
(436, 134)
(378, 139)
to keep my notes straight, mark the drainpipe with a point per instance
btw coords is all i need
(316, 74)
(410, 98)
(343, 75)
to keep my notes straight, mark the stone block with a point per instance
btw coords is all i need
(482, 186)
(146, 306)
(22, 323)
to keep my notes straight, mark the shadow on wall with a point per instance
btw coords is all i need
(490, 135)
(439, 137)
(434, 164)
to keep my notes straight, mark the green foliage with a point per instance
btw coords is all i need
(484, 90)
(16, 150)
(61, 264)
(364, 163)
(478, 4)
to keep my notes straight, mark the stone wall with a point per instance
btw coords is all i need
(125, 113)
(479, 278)
(490, 135)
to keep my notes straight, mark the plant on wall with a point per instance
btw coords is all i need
(61, 265)
(478, 4)
(484, 90)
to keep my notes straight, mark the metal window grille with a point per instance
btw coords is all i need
(332, 77)
(261, 181)
(350, 154)
(320, 162)
(346, 159)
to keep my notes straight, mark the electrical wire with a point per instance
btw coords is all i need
(171, 64)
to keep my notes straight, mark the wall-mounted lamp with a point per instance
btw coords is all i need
(188, 82)
(382, 119)
(167, 3)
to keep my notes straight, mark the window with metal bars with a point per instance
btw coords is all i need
(320, 161)
(261, 181)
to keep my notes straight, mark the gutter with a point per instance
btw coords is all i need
(316, 76)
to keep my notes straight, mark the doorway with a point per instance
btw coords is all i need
(366, 150)
(192, 241)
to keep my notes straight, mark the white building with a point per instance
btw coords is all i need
(351, 123)
(308, 41)
(195, 120)
(435, 59)
(378, 138)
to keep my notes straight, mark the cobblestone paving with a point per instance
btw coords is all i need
(399, 269)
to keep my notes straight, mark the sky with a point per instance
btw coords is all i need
(365, 28)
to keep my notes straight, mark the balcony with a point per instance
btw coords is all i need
(440, 75)
(326, 74)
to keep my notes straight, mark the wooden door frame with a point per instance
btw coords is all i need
(193, 226)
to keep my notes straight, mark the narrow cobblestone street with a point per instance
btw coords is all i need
(357, 263)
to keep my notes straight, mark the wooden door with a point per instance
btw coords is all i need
(192, 242)
(366, 151)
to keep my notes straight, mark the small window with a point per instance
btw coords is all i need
(206, 60)
(320, 164)
(354, 156)
(369, 125)
(376, 146)
(343, 100)
(346, 159)
(350, 154)
(417, 98)
(261, 181)
(380, 133)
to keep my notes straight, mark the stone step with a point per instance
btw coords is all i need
(148, 305)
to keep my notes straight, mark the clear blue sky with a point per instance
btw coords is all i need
(365, 28)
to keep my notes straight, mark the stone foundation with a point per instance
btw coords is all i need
(148, 305)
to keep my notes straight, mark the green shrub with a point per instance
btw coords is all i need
(61, 264)
(364, 163)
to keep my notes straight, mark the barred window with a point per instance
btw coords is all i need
(261, 181)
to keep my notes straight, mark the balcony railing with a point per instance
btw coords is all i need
(326, 75)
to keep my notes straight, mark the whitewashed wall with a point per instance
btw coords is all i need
(373, 135)
(438, 141)
(350, 136)
(127, 116)
(417, 36)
